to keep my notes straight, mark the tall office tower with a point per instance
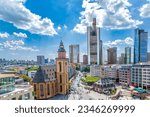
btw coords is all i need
(122, 58)
(112, 55)
(40, 60)
(62, 70)
(128, 55)
(85, 59)
(74, 53)
(46, 61)
(140, 46)
(105, 55)
(148, 56)
(94, 44)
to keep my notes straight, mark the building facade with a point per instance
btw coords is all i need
(122, 58)
(85, 59)
(148, 56)
(95, 70)
(125, 75)
(40, 60)
(140, 46)
(112, 55)
(94, 44)
(141, 76)
(128, 55)
(51, 80)
(62, 70)
(74, 56)
(9, 90)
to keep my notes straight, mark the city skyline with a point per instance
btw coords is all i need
(43, 37)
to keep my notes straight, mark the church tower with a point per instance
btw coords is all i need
(62, 70)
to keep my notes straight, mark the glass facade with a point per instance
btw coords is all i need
(128, 55)
(7, 85)
(140, 46)
(74, 53)
(94, 44)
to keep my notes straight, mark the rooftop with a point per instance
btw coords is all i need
(6, 75)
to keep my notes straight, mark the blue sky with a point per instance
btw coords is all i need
(29, 28)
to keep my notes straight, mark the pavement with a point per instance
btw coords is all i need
(78, 92)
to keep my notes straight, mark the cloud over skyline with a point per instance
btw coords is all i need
(110, 14)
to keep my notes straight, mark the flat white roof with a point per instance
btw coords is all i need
(6, 75)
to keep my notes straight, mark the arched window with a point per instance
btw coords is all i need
(41, 90)
(60, 67)
(48, 89)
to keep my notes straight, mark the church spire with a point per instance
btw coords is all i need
(61, 51)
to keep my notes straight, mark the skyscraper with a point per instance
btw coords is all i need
(112, 55)
(85, 59)
(140, 46)
(74, 53)
(128, 55)
(40, 60)
(94, 44)
(148, 56)
(122, 58)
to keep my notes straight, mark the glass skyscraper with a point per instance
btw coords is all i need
(112, 55)
(140, 46)
(94, 44)
(74, 53)
(128, 55)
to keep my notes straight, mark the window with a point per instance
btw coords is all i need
(20, 97)
(60, 78)
(27, 96)
(59, 66)
(48, 89)
(41, 90)
(60, 88)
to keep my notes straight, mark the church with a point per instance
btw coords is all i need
(51, 80)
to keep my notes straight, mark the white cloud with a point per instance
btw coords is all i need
(127, 41)
(16, 45)
(145, 11)
(111, 14)
(4, 35)
(15, 12)
(21, 35)
(59, 28)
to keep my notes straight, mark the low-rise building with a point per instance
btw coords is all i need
(95, 70)
(109, 72)
(141, 76)
(10, 91)
(104, 84)
(125, 74)
(31, 74)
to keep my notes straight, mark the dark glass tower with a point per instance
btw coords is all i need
(140, 46)
(128, 55)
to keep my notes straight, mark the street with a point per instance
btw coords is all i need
(78, 92)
